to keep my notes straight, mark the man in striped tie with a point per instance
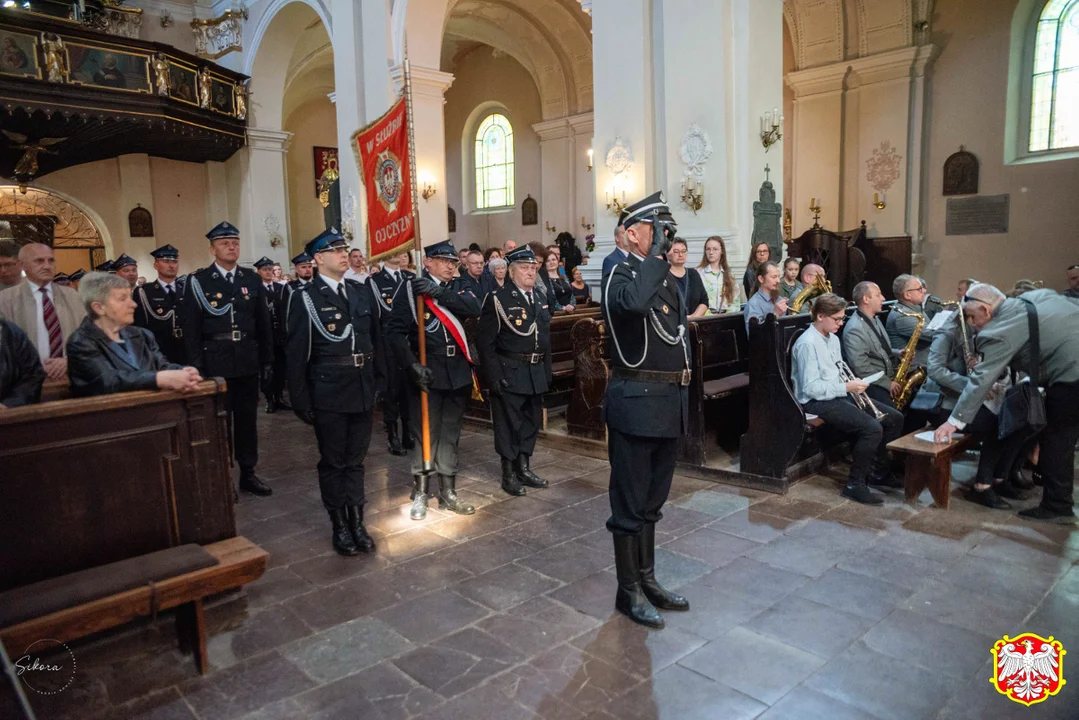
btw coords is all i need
(48, 313)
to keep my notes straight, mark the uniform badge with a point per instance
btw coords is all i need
(160, 311)
(337, 316)
(666, 310)
(243, 290)
(331, 327)
(213, 303)
(514, 293)
(517, 321)
(427, 316)
(219, 296)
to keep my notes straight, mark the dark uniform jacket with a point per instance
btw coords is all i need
(21, 374)
(318, 319)
(97, 368)
(163, 316)
(276, 298)
(514, 340)
(446, 361)
(209, 327)
(392, 296)
(644, 311)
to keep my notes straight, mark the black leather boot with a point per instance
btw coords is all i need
(525, 474)
(630, 599)
(510, 483)
(447, 496)
(364, 542)
(251, 483)
(343, 542)
(406, 436)
(419, 497)
(271, 406)
(656, 594)
(392, 443)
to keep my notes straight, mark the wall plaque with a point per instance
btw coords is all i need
(961, 174)
(529, 211)
(977, 215)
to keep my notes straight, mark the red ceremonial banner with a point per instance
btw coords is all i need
(382, 154)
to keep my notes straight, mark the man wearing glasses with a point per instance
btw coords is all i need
(910, 296)
(820, 388)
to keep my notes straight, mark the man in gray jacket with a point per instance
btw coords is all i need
(910, 296)
(1004, 339)
(865, 344)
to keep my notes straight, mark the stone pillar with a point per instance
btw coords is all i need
(566, 191)
(136, 188)
(263, 199)
(817, 136)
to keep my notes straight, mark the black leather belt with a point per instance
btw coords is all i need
(654, 376)
(530, 358)
(357, 360)
(234, 336)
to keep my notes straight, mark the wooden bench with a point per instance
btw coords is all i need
(239, 561)
(719, 357)
(591, 363)
(929, 464)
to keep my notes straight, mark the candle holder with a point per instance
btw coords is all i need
(589, 159)
(693, 194)
(814, 207)
(877, 202)
(586, 226)
(771, 128)
(549, 227)
(614, 206)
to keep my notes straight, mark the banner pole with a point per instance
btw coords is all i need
(425, 422)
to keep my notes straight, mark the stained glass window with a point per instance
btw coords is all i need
(1054, 97)
(494, 163)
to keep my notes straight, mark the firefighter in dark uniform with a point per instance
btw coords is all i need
(334, 369)
(447, 377)
(392, 286)
(276, 297)
(514, 343)
(228, 334)
(159, 305)
(646, 406)
(304, 265)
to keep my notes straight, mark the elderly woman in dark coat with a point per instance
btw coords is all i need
(107, 354)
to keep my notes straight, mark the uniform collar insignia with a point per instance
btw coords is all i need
(215, 276)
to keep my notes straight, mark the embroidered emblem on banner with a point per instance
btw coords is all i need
(388, 179)
(1028, 668)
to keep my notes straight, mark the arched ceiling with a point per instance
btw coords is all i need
(310, 73)
(827, 31)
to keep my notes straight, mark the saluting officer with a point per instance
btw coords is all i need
(276, 297)
(334, 368)
(228, 334)
(646, 407)
(392, 286)
(159, 305)
(447, 378)
(514, 343)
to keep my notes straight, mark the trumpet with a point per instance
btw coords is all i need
(862, 399)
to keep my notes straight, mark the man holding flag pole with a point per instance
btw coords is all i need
(386, 155)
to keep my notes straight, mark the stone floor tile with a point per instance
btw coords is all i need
(754, 525)
(590, 514)
(345, 649)
(429, 617)
(909, 571)
(267, 629)
(569, 561)
(1056, 615)
(484, 702)
(293, 549)
(937, 647)
(636, 649)
(543, 532)
(712, 547)
(712, 612)
(835, 536)
(246, 687)
(484, 554)
(801, 703)
(976, 699)
(867, 597)
(754, 580)
(928, 545)
(717, 504)
(381, 692)
(398, 519)
(592, 595)
(165, 705)
(567, 493)
(519, 509)
(673, 570)
(504, 587)
(415, 577)
(759, 666)
(956, 605)
(467, 527)
(458, 662)
(995, 578)
(537, 625)
(791, 507)
(799, 556)
(678, 520)
(888, 688)
(333, 568)
(404, 546)
(1026, 552)
(890, 515)
(810, 626)
(566, 678)
(275, 585)
(680, 694)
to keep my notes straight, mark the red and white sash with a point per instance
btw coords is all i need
(450, 321)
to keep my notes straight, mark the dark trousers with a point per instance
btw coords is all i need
(880, 396)
(641, 472)
(395, 402)
(445, 412)
(870, 435)
(343, 439)
(276, 389)
(242, 403)
(517, 420)
(1057, 455)
(997, 456)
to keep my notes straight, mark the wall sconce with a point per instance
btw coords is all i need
(429, 188)
(771, 128)
(166, 19)
(589, 159)
(550, 228)
(614, 207)
(586, 226)
(877, 202)
(814, 207)
(693, 193)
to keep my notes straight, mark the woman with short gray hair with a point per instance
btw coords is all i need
(107, 354)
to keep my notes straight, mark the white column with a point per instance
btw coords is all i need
(556, 200)
(818, 143)
(265, 196)
(584, 200)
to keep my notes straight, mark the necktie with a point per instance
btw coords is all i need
(530, 301)
(52, 325)
(171, 293)
(228, 277)
(341, 293)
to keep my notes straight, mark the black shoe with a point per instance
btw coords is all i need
(1019, 481)
(447, 496)
(419, 497)
(1041, 513)
(271, 408)
(392, 443)
(861, 494)
(987, 497)
(251, 483)
(343, 542)
(406, 437)
(656, 594)
(364, 542)
(885, 480)
(630, 599)
(510, 484)
(1009, 490)
(525, 474)
(281, 404)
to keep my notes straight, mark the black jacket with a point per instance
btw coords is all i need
(510, 328)
(316, 379)
(210, 347)
(392, 297)
(164, 317)
(447, 363)
(558, 289)
(21, 374)
(276, 299)
(95, 368)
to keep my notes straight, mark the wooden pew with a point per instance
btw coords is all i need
(591, 356)
(91, 481)
(719, 358)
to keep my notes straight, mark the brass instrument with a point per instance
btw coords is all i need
(862, 399)
(817, 288)
(969, 356)
(910, 381)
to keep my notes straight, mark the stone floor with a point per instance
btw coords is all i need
(803, 606)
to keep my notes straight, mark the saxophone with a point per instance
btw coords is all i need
(909, 380)
(818, 287)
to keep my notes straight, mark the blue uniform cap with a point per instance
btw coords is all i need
(302, 258)
(105, 266)
(166, 252)
(522, 254)
(325, 240)
(263, 262)
(123, 261)
(223, 230)
(443, 249)
(61, 277)
(77, 275)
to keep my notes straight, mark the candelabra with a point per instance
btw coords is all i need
(586, 226)
(549, 227)
(814, 207)
(771, 128)
(877, 202)
(615, 207)
(693, 194)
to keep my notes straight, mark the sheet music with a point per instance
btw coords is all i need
(940, 320)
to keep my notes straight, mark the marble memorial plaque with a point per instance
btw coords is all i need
(977, 215)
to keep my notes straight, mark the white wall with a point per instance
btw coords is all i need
(313, 123)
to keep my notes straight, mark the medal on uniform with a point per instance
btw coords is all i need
(389, 300)
(243, 290)
(213, 303)
(219, 296)
(160, 311)
(427, 316)
(337, 316)
(331, 327)
(666, 310)
(517, 321)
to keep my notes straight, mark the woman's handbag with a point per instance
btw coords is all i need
(1024, 406)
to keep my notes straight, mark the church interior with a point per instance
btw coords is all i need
(932, 140)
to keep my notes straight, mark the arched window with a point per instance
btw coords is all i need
(1054, 97)
(494, 163)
